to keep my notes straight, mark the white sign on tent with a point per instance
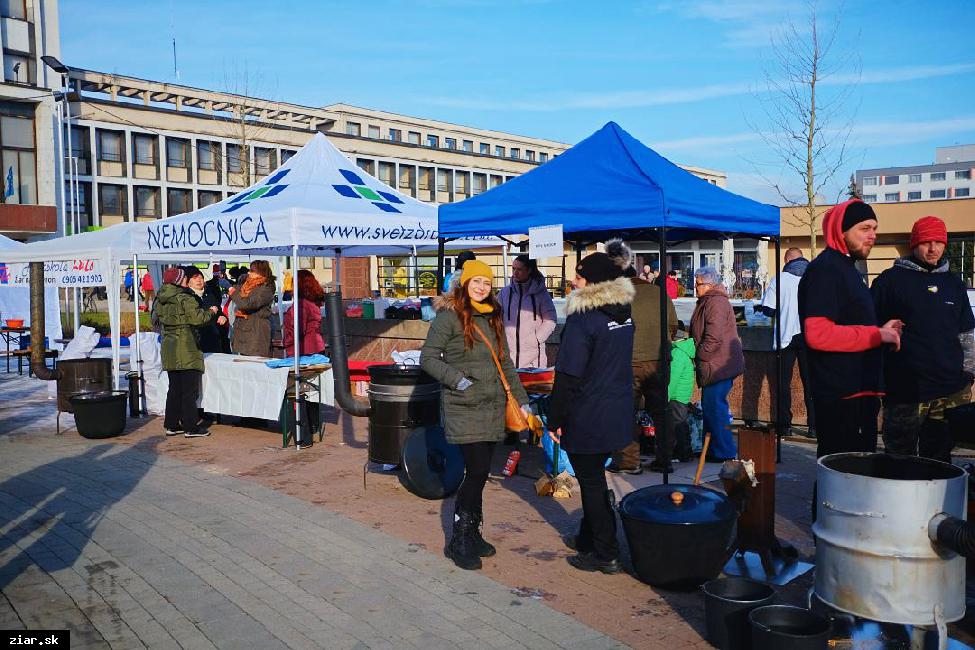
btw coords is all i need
(67, 273)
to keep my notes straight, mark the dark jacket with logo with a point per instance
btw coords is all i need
(592, 399)
(933, 304)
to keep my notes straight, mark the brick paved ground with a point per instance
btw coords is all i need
(234, 542)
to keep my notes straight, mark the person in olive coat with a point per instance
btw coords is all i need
(473, 397)
(179, 314)
(252, 311)
(591, 409)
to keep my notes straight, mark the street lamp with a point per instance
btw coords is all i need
(64, 114)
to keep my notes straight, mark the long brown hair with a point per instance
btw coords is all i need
(462, 306)
(309, 289)
(262, 268)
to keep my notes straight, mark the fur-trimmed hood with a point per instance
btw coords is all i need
(608, 297)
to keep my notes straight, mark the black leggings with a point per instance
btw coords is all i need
(598, 526)
(477, 463)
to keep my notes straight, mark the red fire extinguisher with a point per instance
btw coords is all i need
(511, 464)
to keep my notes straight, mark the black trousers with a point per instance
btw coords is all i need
(846, 425)
(598, 524)
(477, 464)
(184, 391)
(796, 351)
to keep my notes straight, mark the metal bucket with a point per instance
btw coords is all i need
(82, 376)
(401, 399)
(874, 556)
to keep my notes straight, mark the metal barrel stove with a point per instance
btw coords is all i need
(883, 548)
(401, 399)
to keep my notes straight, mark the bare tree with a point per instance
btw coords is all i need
(803, 128)
(246, 123)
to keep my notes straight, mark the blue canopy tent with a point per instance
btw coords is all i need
(612, 185)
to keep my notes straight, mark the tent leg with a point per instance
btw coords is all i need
(297, 340)
(778, 352)
(138, 303)
(664, 429)
(441, 244)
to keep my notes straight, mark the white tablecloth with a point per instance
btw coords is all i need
(249, 388)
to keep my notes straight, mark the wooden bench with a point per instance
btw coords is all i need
(25, 354)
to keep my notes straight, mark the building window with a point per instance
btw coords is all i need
(177, 153)
(485, 149)
(963, 173)
(913, 196)
(892, 180)
(395, 135)
(111, 200)
(286, 155)
(870, 198)
(407, 178)
(82, 200)
(529, 155)
(80, 149)
(441, 180)
(433, 141)
(353, 128)
(961, 191)
(145, 148)
(499, 151)
(109, 146)
(425, 174)
(19, 161)
(892, 196)
(543, 157)
(462, 180)
(386, 173)
(235, 159)
(207, 198)
(18, 68)
(147, 201)
(937, 176)
(480, 183)
(367, 165)
(938, 194)
(178, 202)
(869, 180)
(468, 145)
(264, 160)
(13, 9)
(374, 132)
(450, 143)
(496, 180)
(414, 137)
(515, 153)
(914, 178)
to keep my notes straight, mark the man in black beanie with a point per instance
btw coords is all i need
(839, 323)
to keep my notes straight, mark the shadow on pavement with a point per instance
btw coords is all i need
(49, 513)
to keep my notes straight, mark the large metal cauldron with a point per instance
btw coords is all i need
(875, 554)
(82, 376)
(401, 399)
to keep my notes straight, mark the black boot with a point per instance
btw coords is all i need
(461, 548)
(481, 546)
(581, 542)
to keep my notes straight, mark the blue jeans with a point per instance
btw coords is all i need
(717, 417)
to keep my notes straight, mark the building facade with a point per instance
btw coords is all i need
(949, 177)
(28, 118)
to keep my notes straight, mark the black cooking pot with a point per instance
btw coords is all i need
(678, 542)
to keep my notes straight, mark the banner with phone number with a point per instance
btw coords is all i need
(69, 273)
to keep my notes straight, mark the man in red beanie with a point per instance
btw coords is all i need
(839, 323)
(934, 368)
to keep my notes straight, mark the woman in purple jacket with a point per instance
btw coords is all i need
(528, 313)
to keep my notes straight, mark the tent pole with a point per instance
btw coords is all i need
(416, 273)
(778, 353)
(504, 261)
(663, 370)
(337, 270)
(441, 244)
(138, 304)
(297, 340)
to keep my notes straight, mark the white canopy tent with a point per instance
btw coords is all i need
(15, 299)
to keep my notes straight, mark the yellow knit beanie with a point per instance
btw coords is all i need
(474, 268)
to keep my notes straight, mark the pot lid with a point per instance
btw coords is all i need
(660, 504)
(432, 467)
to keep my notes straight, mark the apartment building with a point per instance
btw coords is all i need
(949, 177)
(28, 117)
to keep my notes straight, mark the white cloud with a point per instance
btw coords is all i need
(705, 142)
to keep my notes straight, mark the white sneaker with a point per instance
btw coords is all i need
(173, 432)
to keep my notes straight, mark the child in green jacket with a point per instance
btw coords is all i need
(679, 391)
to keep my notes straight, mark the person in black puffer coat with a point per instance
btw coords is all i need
(591, 408)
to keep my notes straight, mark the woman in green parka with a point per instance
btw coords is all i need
(179, 313)
(473, 397)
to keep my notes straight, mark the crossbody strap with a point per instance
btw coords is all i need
(504, 381)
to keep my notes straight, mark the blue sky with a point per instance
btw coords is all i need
(685, 77)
